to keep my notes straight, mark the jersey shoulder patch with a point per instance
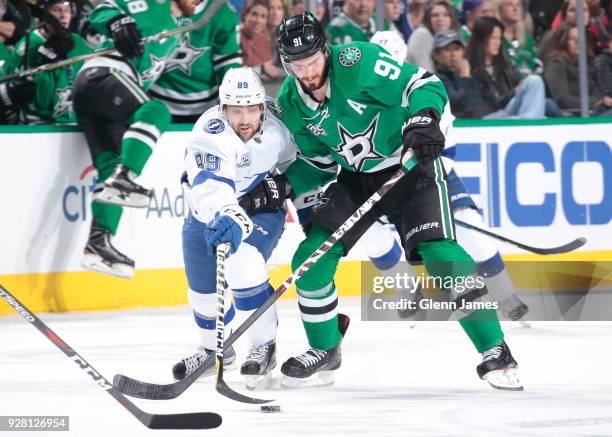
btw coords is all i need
(274, 106)
(349, 56)
(214, 126)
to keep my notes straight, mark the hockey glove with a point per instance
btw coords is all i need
(56, 47)
(16, 93)
(230, 225)
(269, 194)
(422, 134)
(127, 37)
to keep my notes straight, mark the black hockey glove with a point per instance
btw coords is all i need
(422, 134)
(16, 93)
(56, 47)
(270, 194)
(127, 37)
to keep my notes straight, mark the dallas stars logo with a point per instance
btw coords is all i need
(184, 56)
(156, 68)
(356, 149)
(349, 56)
(64, 104)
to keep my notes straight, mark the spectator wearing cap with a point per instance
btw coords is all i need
(466, 96)
(561, 74)
(519, 97)
(321, 12)
(517, 43)
(11, 24)
(472, 10)
(439, 16)
(355, 23)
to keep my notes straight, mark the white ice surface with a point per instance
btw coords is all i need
(394, 380)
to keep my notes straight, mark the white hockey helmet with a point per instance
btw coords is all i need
(393, 43)
(241, 87)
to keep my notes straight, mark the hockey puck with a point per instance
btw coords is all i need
(270, 408)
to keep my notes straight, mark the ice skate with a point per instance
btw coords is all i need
(100, 256)
(513, 308)
(315, 367)
(120, 189)
(188, 365)
(259, 363)
(499, 368)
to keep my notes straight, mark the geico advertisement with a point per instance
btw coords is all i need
(538, 184)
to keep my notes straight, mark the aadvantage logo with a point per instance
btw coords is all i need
(356, 149)
(349, 56)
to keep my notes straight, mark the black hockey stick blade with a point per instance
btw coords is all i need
(564, 248)
(226, 391)
(154, 421)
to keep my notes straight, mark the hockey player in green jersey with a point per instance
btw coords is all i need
(52, 102)
(190, 82)
(355, 107)
(121, 123)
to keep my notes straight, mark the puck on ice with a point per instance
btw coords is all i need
(270, 408)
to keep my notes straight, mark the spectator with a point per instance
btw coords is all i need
(517, 44)
(543, 13)
(561, 74)
(603, 68)
(439, 16)
(472, 11)
(411, 16)
(465, 94)
(47, 44)
(254, 41)
(392, 10)
(518, 97)
(298, 7)
(273, 69)
(567, 15)
(11, 24)
(354, 24)
(322, 12)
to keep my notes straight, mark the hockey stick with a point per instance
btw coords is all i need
(572, 245)
(145, 390)
(214, 7)
(221, 386)
(153, 421)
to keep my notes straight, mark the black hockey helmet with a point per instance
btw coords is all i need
(301, 36)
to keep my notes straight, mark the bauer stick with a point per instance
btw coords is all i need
(153, 421)
(221, 385)
(147, 390)
(81, 58)
(572, 245)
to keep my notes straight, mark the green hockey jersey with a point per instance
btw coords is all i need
(152, 17)
(53, 99)
(359, 125)
(343, 30)
(4, 56)
(190, 81)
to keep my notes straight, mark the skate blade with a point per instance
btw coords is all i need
(504, 379)
(114, 196)
(95, 263)
(258, 382)
(212, 371)
(319, 379)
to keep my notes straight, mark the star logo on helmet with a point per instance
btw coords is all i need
(349, 56)
(357, 149)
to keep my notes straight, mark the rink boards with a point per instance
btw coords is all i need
(543, 183)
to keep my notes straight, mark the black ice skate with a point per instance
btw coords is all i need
(188, 365)
(513, 308)
(258, 364)
(499, 368)
(120, 189)
(408, 311)
(315, 367)
(100, 256)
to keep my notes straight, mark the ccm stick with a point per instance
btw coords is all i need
(153, 421)
(145, 390)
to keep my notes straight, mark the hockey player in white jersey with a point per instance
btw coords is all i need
(232, 149)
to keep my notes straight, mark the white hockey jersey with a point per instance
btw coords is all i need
(221, 167)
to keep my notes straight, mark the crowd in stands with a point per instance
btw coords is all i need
(498, 59)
